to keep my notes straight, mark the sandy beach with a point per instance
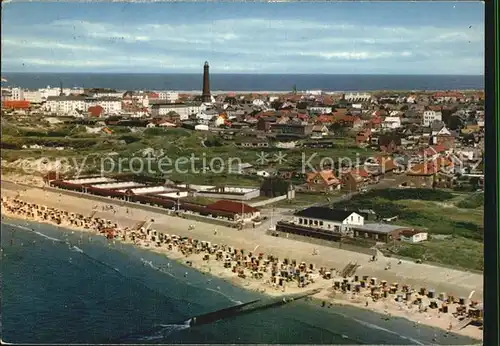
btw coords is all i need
(261, 246)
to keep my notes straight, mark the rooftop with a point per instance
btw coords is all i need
(232, 207)
(324, 213)
(380, 227)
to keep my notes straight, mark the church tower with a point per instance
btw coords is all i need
(205, 96)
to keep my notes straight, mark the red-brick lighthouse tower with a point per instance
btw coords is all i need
(205, 96)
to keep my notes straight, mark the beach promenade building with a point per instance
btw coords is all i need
(337, 225)
(328, 219)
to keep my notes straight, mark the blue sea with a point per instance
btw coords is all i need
(245, 82)
(64, 287)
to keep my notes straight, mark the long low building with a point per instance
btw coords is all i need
(223, 192)
(118, 185)
(380, 231)
(149, 190)
(93, 180)
(174, 194)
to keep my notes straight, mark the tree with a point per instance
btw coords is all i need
(274, 186)
(454, 123)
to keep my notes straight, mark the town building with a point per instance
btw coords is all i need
(430, 116)
(412, 236)
(65, 105)
(169, 96)
(333, 220)
(242, 212)
(323, 181)
(184, 110)
(379, 232)
(357, 97)
(68, 105)
(391, 123)
(292, 129)
(111, 105)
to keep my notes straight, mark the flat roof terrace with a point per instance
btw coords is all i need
(149, 190)
(118, 185)
(96, 180)
(380, 228)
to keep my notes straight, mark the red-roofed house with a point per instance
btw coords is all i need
(355, 179)
(328, 101)
(303, 117)
(325, 119)
(432, 152)
(363, 136)
(448, 96)
(16, 104)
(323, 180)
(375, 122)
(421, 174)
(241, 211)
(96, 111)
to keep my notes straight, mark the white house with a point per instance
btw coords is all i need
(17, 94)
(217, 121)
(430, 116)
(258, 103)
(357, 97)
(320, 110)
(111, 105)
(286, 145)
(201, 127)
(411, 99)
(411, 236)
(205, 116)
(47, 92)
(391, 123)
(34, 96)
(441, 132)
(67, 104)
(169, 96)
(328, 219)
(184, 110)
(314, 92)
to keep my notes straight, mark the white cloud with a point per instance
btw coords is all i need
(234, 45)
(31, 43)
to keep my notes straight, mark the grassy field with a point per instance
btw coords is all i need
(438, 213)
(456, 252)
(175, 144)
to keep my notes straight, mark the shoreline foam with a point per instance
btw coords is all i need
(383, 307)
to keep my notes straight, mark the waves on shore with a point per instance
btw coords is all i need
(111, 290)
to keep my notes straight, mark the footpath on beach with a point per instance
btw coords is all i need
(249, 266)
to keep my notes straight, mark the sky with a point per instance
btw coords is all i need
(281, 37)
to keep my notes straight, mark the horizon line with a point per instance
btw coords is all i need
(249, 73)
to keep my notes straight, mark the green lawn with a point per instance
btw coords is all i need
(457, 252)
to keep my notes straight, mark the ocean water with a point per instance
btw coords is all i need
(64, 287)
(244, 82)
